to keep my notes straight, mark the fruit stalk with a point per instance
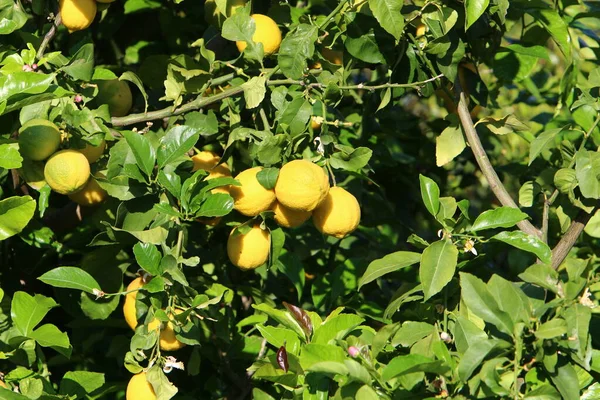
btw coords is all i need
(48, 37)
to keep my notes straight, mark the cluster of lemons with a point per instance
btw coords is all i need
(302, 190)
(68, 171)
(78, 14)
(65, 171)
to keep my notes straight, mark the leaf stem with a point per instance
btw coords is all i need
(332, 14)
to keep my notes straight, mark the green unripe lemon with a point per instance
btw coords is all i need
(38, 139)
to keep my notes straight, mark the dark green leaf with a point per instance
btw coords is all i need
(387, 13)
(430, 193)
(267, 177)
(15, 214)
(70, 278)
(148, 257)
(438, 264)
(390, 263)
(295, 49)
(523, 241)
(142, 150)
(502, 217)
(474, 9)
(177, 142)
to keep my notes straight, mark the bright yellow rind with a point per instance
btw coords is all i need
(93, 153)
(67, 171)
(251, 198)
(92, 194)
(168, 340)
(249, 251)
(287, 217)
(139, 388)
(77, 14)
(301, 185)
(267, 32)
(129, 306)
(338, 215)
(207, 160)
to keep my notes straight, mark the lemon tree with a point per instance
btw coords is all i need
(333, 199)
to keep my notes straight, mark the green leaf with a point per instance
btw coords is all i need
(283, 317)
(387, 13)
(366, 393)
(12, 17)
(133, 78)
(556, 26)
(541, 142)
(295, 49)
(70, 278)
(541, 275)
(544, 392)
(474, 9)
(254, 91)
(206, 124)
(438, 264)
(315, 353)
(411, 332)
(566, 381)
(578, 318)
(49, 335)
(10, 158)
(148, 257)
(15, 214)
(526, 242)
(81, 67)
(501, 217)
(291, 266)
(163, 389)
(267, 177)
(80, 383)
(216, 205)
(278, 337)
(390, 263)
(480, 301)
(412, 363)
(449, 144)
(466, 333)
(176, 142)
(510, 299)
(474, 356)
(587, 167)
(23, 83)
(565, 180)
(350, 160)
(551, 329)
(430, 193)
(336, 328)
(27, 311)
(142, 150)
(240, 27)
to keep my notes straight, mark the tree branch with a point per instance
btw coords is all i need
(46, 41)
(484, 163)
(566, 243)
(201, 101)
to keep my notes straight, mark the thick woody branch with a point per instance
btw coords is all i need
(566, 243)
(485, 165)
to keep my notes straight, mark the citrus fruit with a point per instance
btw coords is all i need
(251, 198)
(116, 94)
(209, 161)
(267, 32)
(77, 14)
(249, 251)
(338, 215)
(93, 153)
(301, 185)
(287, 217)
(129, 307)
(67, 171)
(421, 29)
(316, 122)
(215, 16)
(32, 173)
(333, 56)
(91, 194)
(168, 341)
(139, 388)
(38, 139)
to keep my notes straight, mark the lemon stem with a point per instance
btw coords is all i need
(330, 170)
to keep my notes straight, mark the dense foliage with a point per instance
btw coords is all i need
(434, 115)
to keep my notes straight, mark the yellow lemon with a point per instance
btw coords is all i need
(251, 198)
(333, 56)
(32, 173)
(289, 218)
(116, 94)
(267, 32)
(67, 171)
(92, 194)
(249, 251)
(38, 139)
(139, 388)
(129, 306)
(93, 153)
(421, 30)
(168, 340)
(77, 14)
(338, 215)
(209, 161)
(301, 185)
(316, 122)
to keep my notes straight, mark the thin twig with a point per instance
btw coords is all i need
(566, 243)
(545, 217)
(201, 101)
(332, 14)
(46, 41)
(484, 162)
